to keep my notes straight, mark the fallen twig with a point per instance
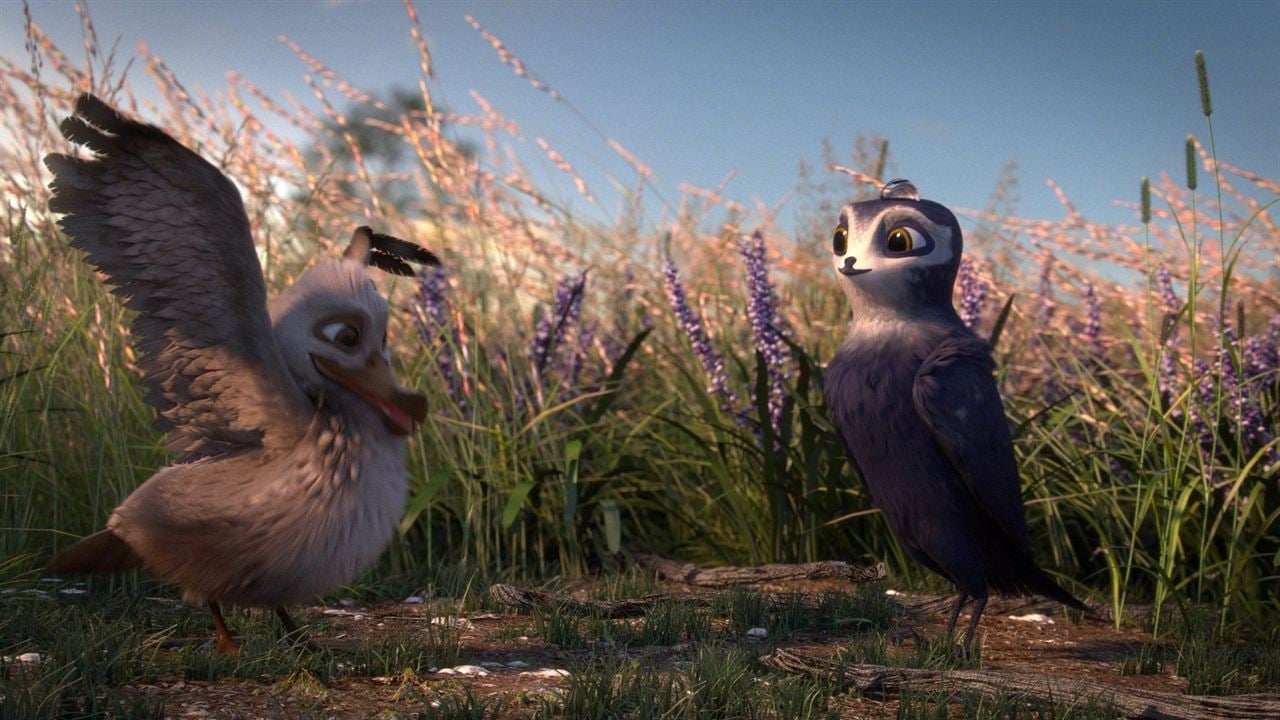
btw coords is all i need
(1131, 702)
(727, 576)
(527, 599)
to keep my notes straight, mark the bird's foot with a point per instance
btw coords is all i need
(226, 646)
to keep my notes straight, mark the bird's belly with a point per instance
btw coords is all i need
(312, 546)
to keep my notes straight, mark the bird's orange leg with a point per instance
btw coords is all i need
(224, 645)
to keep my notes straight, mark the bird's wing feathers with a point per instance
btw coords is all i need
(955, 396)
(171, 234)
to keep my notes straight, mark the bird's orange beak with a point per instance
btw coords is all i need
(374, 382)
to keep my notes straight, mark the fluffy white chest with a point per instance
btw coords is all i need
(348, 498)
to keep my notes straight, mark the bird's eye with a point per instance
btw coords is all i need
(840, 242)
(341, 334)
(902, 239)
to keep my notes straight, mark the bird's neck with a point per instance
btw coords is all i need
(871, 315)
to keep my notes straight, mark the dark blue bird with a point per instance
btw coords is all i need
(912, 396)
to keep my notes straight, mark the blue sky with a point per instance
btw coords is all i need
(1092, 94)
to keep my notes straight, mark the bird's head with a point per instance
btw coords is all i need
(331, 326)
(898, 252)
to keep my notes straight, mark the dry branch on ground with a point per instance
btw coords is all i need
(728, 576)
(1133, 702)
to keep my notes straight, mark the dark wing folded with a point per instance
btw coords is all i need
(955, 394)
(171, 234)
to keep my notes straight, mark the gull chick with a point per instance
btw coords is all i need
(287, 425)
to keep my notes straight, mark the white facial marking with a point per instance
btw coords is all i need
(866, 245)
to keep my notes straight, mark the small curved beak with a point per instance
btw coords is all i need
(849, 269)
(374, 382)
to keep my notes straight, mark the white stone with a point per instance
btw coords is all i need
(1032, 618)
(464, 670)
(414, 600)
(546, 673)
(338, 612)
(758, 632)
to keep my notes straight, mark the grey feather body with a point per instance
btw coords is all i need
(912, 394)
(871, 387)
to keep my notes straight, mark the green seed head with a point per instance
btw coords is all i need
(1146, 201)
(1191, 162)
(1203, 76)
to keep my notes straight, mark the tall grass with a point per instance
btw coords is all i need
(574, 419)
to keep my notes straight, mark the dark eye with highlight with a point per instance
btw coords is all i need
(840, 242)
(344, 335)
(900, 240)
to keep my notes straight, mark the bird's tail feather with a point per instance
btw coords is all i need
(1041, 584)
(101, 552)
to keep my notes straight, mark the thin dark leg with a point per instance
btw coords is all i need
(955, 613)
(290, 627)
(224, 644)
(979, 604)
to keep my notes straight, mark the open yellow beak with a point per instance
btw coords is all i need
(374, 382)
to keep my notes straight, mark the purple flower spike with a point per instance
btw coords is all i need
(691, 324)
(435, 327)
(1044, 297)
(973, 294)
(551, 329)
(762, 309)
(1251, 428)
(1093, 318)
(1169, 301)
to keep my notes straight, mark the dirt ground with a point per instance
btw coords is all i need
(510, 659)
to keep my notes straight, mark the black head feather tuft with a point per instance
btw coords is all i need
(387, 253)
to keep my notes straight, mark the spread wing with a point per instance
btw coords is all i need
(171, 234)
(956, 397)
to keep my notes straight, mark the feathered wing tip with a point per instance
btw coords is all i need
(101, 553)
(93, 119)
(1042, 584)
(387, 253)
